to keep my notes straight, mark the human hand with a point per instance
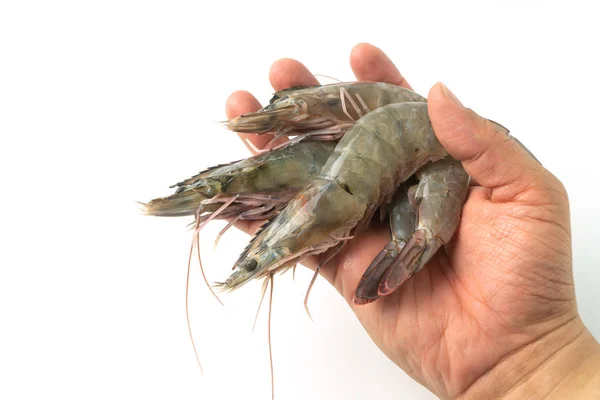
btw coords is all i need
(494, 313)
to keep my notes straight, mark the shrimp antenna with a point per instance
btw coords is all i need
(330, 254)
(198, 227)
(196, 238)
(262, 297)
(310, 285)
(328, 77)
(187, 303)
(294, 271)
(196, 242)
(202, 268)
(269, 336)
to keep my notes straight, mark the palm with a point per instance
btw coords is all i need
(475, 302)
(492, 290)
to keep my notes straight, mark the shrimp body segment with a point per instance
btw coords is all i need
(379, 152)
(257, 187)
(321, 112)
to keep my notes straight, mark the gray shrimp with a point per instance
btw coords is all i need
(320, 112)
(255, 188)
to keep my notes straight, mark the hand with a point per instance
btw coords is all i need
(494, 313)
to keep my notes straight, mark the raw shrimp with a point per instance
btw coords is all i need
(437, 203)
(382, 150)
(256, 187)
(320, 112)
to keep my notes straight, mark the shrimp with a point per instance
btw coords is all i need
(437, 203)
(382, 150)
(320, 112)
(256, 187)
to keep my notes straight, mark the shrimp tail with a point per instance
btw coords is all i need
(367, 289)
(442, 190)
(403, 214)
(416, 253)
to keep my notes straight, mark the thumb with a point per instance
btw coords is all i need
(487, 152)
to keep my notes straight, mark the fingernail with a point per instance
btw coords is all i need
(448, 93)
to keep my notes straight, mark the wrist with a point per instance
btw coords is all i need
(563, 364)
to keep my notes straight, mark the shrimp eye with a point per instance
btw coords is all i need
(251, 265)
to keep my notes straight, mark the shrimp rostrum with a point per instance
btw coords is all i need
(422, 219)
(379, 152)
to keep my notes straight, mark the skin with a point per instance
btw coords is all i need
(493, 315)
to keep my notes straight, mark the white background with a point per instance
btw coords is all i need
(106, 103)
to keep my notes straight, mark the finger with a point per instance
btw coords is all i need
(286, 73)
(369, 63)
(242, 102)
(488, 154)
